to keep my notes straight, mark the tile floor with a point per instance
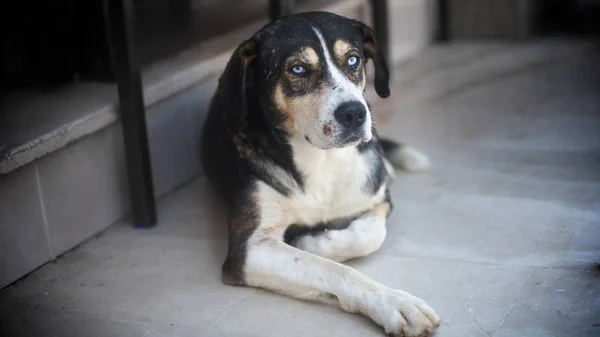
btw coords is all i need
(502, 238)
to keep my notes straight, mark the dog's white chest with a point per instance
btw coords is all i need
(334, 188)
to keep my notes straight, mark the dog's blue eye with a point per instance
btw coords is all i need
(298, 70)
(352, 60)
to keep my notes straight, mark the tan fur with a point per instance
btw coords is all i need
(297, 107)
(302, 107)
(341, 48)
(309, 56)
(381, 210)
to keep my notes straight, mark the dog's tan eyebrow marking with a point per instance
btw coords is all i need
(307, 55)
(341, 47)
(310, 55)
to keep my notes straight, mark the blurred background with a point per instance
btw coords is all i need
(102, 104)
(54, 43)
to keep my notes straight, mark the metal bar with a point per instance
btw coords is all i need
(279, 8)
(443, 14)
(120, 16)
(381, 26)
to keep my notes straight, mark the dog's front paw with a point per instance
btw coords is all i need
(402, 314)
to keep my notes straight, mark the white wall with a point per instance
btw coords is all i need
(413, 25)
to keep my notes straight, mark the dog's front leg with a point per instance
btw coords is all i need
(362, 237)
(274, 265)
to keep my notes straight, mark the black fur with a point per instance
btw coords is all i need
(294, 231)
(389, 147)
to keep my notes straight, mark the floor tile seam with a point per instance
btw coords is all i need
(478, 262)
(514, 302)
(211, 326)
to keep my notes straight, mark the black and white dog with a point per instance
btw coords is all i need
(289, 144)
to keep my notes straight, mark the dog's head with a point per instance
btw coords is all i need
(307, 73)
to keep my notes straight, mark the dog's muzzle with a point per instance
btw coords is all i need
(351, 116)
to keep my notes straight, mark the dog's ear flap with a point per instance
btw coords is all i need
(373, 52)
(234, 80)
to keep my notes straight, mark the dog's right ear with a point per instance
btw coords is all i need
(233, 82)
(374, 52)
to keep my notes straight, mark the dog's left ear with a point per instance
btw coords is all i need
(234, 80)
(373, 52)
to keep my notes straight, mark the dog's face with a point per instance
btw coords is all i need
(309, 71)
(318, 86)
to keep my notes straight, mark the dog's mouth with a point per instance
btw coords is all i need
(351, 140)
(344, 140)
(352, 137)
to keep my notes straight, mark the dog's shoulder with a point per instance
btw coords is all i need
(237, 153)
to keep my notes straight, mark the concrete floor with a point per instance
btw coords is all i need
(502, 238)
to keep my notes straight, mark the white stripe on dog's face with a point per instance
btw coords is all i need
(308, 99)
(343, 90)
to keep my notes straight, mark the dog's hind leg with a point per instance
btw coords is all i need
(362, 237)
(405, 157)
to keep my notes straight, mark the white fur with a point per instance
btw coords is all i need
(333, 189)
(274, 265)
(411, 159)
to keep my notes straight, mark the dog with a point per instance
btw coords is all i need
(289, 144)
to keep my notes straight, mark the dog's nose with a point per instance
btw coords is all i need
(351, 114)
